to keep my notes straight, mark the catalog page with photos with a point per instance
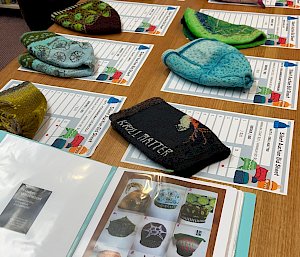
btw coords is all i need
(151, 215)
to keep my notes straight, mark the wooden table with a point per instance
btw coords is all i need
(276, 228)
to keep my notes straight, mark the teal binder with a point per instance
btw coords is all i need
(91, 212)
(2, 135)
(245, 229)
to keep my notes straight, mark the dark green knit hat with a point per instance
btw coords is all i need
(91, 17)
(200, 25)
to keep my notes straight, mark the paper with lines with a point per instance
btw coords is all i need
(260, 149)
(76, 120)
(276, 84)
(117, 62)
(151, 19)
(293, 4)
(281, 30)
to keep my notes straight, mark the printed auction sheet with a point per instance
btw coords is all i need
(281, 30)
(75, 121)
(117, 62)
(260, 149)
(293, 4)
(151, 19)
(276, 84)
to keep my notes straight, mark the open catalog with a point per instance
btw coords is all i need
(53, 203)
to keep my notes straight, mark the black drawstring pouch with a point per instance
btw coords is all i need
(169, 137)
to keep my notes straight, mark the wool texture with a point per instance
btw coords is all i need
(22, 109)
(92, 17)
(210, 63)
(56, 55)
(200, 25)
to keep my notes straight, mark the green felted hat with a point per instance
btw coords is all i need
(200, 25)
(22, 109)
(92, 17)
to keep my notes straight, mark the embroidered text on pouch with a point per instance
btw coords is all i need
(145, 138)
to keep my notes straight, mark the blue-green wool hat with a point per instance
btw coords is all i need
(210, 63)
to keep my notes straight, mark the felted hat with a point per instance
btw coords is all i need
(186, 245)
(121, 227)
(153, 234)
(210, 63)
(167, 198)
(91, 17)
(31, 62)
(22, 109)
(59, 51)
(200, 25)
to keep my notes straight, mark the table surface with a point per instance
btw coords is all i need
(276, 228)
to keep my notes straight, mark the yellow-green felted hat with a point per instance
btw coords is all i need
(22, 109)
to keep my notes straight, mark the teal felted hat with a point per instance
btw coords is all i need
(31, 62)
(210, 63)
(58, 50)
(56, 55)
(200, 25)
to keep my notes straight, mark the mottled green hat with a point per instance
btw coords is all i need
(200, 25)
(91, 17)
